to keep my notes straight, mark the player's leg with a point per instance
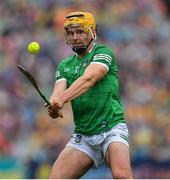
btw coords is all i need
(71, 164)
(116, 150)
(118, 158)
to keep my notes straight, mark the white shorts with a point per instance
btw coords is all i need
(95, 146)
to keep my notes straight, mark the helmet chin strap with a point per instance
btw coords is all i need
(80, 50)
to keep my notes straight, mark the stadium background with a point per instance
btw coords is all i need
(139, 33)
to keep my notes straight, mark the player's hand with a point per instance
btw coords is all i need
(54, 108)
(57, 102)
(53, 112)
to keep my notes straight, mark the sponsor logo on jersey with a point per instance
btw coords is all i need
(66, 70)
(85, 63)
(77, 69)
(57, 74)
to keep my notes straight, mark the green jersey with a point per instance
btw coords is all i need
(99, 109)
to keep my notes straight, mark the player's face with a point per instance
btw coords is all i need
(77, 37)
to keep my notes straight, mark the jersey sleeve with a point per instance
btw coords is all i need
(59, 75)
(105, 57)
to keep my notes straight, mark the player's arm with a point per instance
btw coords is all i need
(59, 87)
(92, 74)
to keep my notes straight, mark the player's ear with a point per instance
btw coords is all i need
(95, 33)
(95, 36)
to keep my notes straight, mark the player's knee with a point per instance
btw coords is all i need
(121, 174)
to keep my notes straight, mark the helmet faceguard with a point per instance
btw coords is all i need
(82, 21)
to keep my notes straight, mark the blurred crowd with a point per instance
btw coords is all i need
(139, 33)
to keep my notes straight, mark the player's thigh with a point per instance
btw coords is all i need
(71, 164)
(118, 158)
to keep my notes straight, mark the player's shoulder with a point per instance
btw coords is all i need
(66, 60)
(103, 48)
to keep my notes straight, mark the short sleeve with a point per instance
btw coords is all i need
(105, 57)
(59, 75)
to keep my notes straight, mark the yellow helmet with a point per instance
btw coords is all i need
(84, 19)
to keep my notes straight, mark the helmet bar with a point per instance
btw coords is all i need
(75, 15)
